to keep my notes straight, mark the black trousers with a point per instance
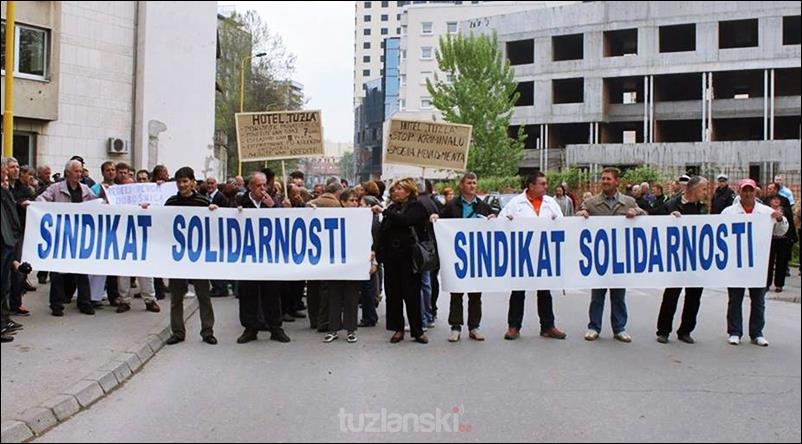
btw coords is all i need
(545, 309)
(63, 285)
(779, 256)
(260, 298)
(291, 294)
(403, 287)
(112, 288)
(665, 320)
(435, 290)
(317, 301)
(455, 315)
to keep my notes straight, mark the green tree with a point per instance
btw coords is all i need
(482, 93)
(347, 170)
(267, 85)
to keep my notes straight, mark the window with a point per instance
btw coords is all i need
(404, 30)
(630, 97)
(385, 4)
(367, 5)
(567, 47)
(526, 91)
(384, 31)
(24, 146)
(426, 28)
(738, 34)
(521, 52)
(568, 90)
(381, 59)
(365, 73)
(678, 38)
(30, 52)
(366, 59)
(452, 27)
(403, 54)
(424, 75)
(426, 103)
(385, 17)
(402, 104)
(366, 31)
(398, 16)
(367, 18)
(403, 78)
(791, 30)
(426, 53)
(366, 45)
(620, 42)
(397, 31)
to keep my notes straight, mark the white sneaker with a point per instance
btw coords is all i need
(761, 341)
(734, 340)
(591, 335)
(476, 335)
(454, 336)
(623, 337)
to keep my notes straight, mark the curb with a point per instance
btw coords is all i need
(785, 298)
(35, 421)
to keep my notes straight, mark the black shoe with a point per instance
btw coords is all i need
(99, 305)
(57, 312)
(6, 338)
(112, 302)
(42, 280)
(159, 296)
(280, 336)
(686, 339)
(247, 336)
(365, 324)
(174, 339)
(122, 308)
(287, 318)
(87, 310)
(211, 340)
(11, 327)
(28, 286)
(297, 315)
(662, 339)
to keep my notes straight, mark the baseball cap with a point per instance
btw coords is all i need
(684, 178)
(722, 177)
(747, 183)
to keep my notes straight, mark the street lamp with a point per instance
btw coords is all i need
(242, 94)
(242, 78)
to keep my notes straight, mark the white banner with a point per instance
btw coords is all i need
(137, 193)
(603, 252)
(182, 242)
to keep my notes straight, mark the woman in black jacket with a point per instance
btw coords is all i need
(395, 252)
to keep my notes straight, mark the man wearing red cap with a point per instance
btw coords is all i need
(757, 314)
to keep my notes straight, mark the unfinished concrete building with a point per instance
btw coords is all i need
(685, 86)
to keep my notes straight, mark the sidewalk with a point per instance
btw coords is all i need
(56, 366)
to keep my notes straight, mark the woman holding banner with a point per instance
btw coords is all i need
(402, 218)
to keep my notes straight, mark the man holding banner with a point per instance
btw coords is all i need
(532, 203)
(609, 203)
(259, 297)
(188, 197)
(757, 295)
(692, 201)
(466, 206)
(70, 190)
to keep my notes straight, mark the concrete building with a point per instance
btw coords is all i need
(92, 73)
(422, 26)
(373, 23)
(621, 83)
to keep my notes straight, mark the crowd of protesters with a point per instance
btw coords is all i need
(403, 215)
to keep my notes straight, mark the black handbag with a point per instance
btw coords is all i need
(424, 254)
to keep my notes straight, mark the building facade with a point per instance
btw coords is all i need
(103, 80)
(606, 83)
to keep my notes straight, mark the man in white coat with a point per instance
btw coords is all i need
(757, 315)
(532, 203)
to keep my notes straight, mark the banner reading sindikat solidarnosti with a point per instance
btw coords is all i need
(181, 242)
(603, 252)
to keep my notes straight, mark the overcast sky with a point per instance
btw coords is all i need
(321, 35)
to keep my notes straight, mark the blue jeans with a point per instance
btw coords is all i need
(426, 299)
(757, 314)
(618, 309)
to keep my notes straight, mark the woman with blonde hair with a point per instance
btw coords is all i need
(404, 216)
